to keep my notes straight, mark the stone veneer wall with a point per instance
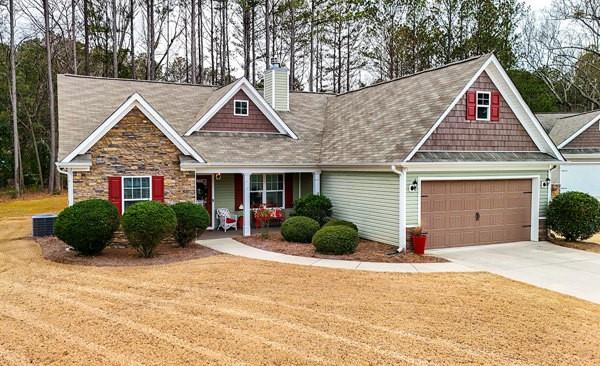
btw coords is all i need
(134, 147)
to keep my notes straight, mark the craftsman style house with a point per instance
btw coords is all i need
(453, 149)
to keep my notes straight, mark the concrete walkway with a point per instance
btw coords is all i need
(569, 271)
(230, 246)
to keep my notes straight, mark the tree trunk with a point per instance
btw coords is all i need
(246, 37)
(312, 46)
(253, 43)
(267, 49)
(53, 178)
(13, 101)
(114, 40)
(86, 35)
(292, 44)
(193, 41)
(212, 42)
(74, 34)
(348, 56)
(131, 25)
(200, 45)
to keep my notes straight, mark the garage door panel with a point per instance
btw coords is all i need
(448, 211)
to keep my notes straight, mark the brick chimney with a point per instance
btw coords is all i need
(277, 86)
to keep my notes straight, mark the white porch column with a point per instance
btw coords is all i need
(246, 204)
(402, 210)
(316, 182)
(70, 187)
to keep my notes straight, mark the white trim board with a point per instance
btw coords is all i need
(511, 96)
(256, 98)
(580, 131)
(136, 100)
(535, 196)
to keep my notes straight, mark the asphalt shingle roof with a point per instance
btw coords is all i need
(479, 156)
(376, 124)
(561, 126)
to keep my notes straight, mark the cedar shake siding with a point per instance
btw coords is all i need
(456, 133)
(224, 120)
(589, 138)
(134, 147)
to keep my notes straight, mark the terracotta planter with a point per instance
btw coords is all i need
(419, 244)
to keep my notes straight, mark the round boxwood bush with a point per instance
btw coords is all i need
(336, 222)
(87, 226)
(336, 239)
(192, 220)
(146, 224)
(299, 229)
(317, 207)
(574, 215)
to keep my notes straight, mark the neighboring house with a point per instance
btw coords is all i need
(453, 149)
(577, 135)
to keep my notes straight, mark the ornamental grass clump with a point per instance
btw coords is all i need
(299, 229)
(192, 220)
(87, 226)
(146, 224)
(574, 215)
(336, 240)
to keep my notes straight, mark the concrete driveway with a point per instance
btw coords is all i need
(568, 271)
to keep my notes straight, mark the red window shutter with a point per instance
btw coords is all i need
(238, 190)
(471, 105)
(114, 192)
(158, 188)
(289, 190)
(495, 112)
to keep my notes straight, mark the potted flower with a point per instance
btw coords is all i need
(262, 215)
(419, 237)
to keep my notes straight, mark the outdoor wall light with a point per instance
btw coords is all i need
(218, 176)
(546, 182)
(413, 186)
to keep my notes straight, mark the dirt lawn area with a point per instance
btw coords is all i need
(224, 310)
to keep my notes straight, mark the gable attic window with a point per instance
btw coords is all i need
(483, 105)
(240, 107)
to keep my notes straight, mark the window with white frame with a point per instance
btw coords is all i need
(266, 189)
(240, 107)
(483, 106)
(135, 189)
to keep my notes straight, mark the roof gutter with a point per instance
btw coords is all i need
(401, 172)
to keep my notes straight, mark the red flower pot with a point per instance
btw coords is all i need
(419, 244)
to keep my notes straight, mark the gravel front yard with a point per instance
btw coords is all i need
(223, 310)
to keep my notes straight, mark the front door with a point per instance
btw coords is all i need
(204, 194)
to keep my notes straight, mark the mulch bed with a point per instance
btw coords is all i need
(581, 245)
(367, 251)
(121, 255)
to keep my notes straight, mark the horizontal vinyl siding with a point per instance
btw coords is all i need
(224, 193)
(412, 198)
(370, 200)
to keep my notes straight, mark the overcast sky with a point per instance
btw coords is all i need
(537, 4)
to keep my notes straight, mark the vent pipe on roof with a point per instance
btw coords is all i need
(277, 87)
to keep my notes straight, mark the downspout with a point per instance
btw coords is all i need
(69, 174)
(401, 172)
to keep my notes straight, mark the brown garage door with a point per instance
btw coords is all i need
(459, 213)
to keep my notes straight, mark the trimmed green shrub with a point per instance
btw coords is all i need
(574, 215)
(192, 220)
(336, 222)
(146, 224)
(336, 239)
(299, 229)
(317, 207)
(87, 226)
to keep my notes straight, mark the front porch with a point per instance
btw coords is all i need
(241, 192)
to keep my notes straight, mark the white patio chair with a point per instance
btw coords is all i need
(226, 219)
